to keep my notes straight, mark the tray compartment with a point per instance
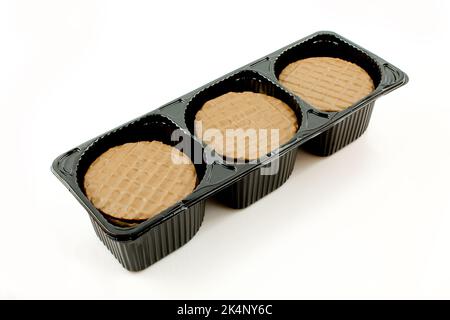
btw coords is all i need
(341, 134)
(254, 185)
(164, 237)
(358, 115)
(156, 243)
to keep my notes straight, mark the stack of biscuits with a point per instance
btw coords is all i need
(252, 118)
(328, 84)
(135, 181)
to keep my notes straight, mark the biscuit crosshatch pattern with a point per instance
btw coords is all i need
(136, 181)
(329, 84)
(244, 111)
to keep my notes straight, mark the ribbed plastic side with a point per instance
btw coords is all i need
(254, 186)
(341, 134)
(157, 242)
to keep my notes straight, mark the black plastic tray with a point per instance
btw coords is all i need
(237, 185)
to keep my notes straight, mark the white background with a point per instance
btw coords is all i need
(371, 221)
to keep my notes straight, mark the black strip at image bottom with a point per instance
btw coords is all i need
(236, 309)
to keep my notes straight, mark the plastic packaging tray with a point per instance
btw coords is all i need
(237, 185)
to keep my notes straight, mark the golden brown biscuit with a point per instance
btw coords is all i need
(135, 181)
(246, 110)
(328, 84)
